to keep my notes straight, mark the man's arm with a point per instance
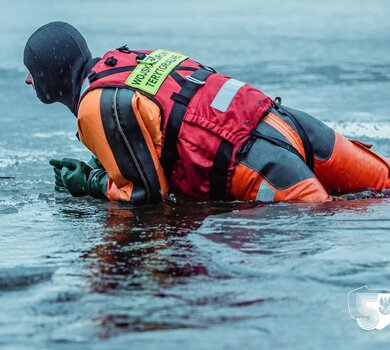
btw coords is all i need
(122, 129)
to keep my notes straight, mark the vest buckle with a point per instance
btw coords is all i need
(210, 69)
(195, 80)
(111, 61)
(124, 49)
(92, 76)
(144, 60)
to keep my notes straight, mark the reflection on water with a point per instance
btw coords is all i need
(190, 266)
(145, 249)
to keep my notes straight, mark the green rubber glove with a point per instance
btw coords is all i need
(74, 175)
(79, 178)
(57, 166)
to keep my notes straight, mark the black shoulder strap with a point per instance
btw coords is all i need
(169, 153)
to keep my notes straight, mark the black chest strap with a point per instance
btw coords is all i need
(169, 153)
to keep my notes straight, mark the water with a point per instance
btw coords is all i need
(80, 273)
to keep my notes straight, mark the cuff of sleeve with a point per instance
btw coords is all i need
(97, 183)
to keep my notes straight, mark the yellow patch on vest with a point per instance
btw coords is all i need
(150, 73)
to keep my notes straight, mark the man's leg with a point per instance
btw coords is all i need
(268, 172)
(343, 165)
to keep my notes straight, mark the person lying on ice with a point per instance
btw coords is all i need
(160, 122)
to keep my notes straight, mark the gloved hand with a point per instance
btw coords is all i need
(79, 178)
(57, 166)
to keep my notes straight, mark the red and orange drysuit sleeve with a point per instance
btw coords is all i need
(122, 129)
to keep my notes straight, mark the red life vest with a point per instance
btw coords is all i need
(206, 118)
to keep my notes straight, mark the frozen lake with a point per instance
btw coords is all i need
(86, 274)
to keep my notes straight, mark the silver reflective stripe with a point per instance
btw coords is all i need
(265, 193)
(226, 94)
(85, 86)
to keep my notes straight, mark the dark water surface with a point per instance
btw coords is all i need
(85, 274)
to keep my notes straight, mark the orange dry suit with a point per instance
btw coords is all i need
(159, 121)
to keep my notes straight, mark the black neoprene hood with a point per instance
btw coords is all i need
(56, 55)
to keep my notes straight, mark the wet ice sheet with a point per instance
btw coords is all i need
(247, 276)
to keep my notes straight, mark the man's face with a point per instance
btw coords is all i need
(30, 81)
